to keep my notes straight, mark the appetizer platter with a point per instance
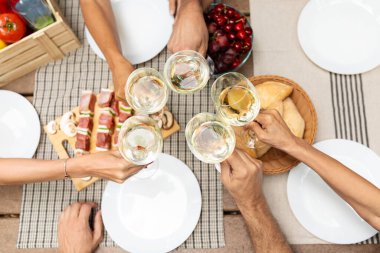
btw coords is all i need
(94, 127)
(298, 112)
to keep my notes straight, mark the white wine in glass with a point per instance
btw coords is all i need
(209, 139)
(140, 141)
(237, 102)
(186, 72)
(146, 91)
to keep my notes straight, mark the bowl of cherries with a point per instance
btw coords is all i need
(230, 38)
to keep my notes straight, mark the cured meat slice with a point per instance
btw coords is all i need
(125, 111)
(106, 121)
(103, 140)
(115, 107)
(85, 123)
(83, 142)
(105, 98)
(87, 101)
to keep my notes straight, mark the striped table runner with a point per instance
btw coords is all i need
(58, 87)
(347, 105)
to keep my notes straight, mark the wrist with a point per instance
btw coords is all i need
(77, 167)
(116, 60)
(251, 204)
(294, 146)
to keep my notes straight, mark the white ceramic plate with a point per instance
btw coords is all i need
(144, 28)
(341, 36)
(318, 208)
(155, 214)
(19, 126)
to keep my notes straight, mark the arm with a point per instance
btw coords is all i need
(100, 21)
(364, 197)
(107, 165)
(242, 176)
(189, 29)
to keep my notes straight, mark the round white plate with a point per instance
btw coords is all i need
(155, 214)
(318, 208)
(19, 126)
(341, 36)
(144, 28)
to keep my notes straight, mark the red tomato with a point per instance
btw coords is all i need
(4, 6)
(12, 28)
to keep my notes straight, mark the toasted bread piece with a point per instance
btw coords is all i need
(272, 92)
(293, 118)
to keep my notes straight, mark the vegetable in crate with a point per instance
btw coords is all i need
(12, 28)
(35, 12)
(4, 7)
(2, 44)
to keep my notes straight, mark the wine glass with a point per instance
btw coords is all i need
(140, 142)
(236, 102)
(210, 139)
(146, 91)
(186, 72)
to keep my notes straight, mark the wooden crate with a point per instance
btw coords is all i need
(37, 49)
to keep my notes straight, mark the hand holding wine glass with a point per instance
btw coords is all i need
(140, 142)
(236, 102)
(269, 127)
(209, 138)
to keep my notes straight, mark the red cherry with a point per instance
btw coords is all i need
(248, 40)
(219, 8)
(212, 27)
(228, 28)
(236, 63)
(230, 12)
(237, 15)
(231, 21)
(248, 31)
(228, 59)
(231, 36)
(231, 52)
(239, 26)
(213, 47)
(237, 46)
(243, 20)
(221, 20)
(220, 66)
(241, 35)
(247, 44)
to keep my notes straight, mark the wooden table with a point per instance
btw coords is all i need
(237, 239)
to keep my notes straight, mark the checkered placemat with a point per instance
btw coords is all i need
(57, 90)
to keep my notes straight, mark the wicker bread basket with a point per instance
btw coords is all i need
(276, 161)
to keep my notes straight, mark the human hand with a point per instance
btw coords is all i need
(270, 128)
(109, 165)
(242, 176)
(74, 232)
(121, 69)
(189, 29)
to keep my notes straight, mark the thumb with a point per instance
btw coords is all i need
(172, 7)
(98, 228)
(255, 127)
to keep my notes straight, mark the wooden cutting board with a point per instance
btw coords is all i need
(59, 139)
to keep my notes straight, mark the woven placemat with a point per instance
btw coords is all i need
(58, 87)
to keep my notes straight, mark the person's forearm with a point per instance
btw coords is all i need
(265, 233)
(100, 21)
(363, 196)
(21, 171)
